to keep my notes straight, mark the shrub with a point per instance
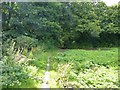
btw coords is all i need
(98, 77)
(63, 74)
(46, 45)
(14, 68)
(26, 42)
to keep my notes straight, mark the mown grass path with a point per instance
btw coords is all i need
(47, 75)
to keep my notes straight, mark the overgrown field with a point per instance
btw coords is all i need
(79, 68)
(69, 68)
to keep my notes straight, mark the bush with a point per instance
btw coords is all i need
(63, 74)
(48, 44)
(95, 77)
(26, 42)
(98, 77)
(14, 68)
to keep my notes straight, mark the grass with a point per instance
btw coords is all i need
(89, 68)
(104, 57)
(40, 60)
(76, 68)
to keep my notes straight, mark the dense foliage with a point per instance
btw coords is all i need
(86, 68)
(17, 70)
(68, 25)
(39, 28)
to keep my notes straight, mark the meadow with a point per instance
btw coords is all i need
(80, 68)
(68, 68)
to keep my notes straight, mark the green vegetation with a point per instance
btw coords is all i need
(77, 68)
(67, 25)
(81, 39)
(87, 68)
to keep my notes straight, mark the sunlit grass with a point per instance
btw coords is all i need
(105, 57)
(91, 68)
(83, 73)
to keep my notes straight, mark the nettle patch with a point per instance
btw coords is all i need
(87, 70)
(98, 77)
(95, 77)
